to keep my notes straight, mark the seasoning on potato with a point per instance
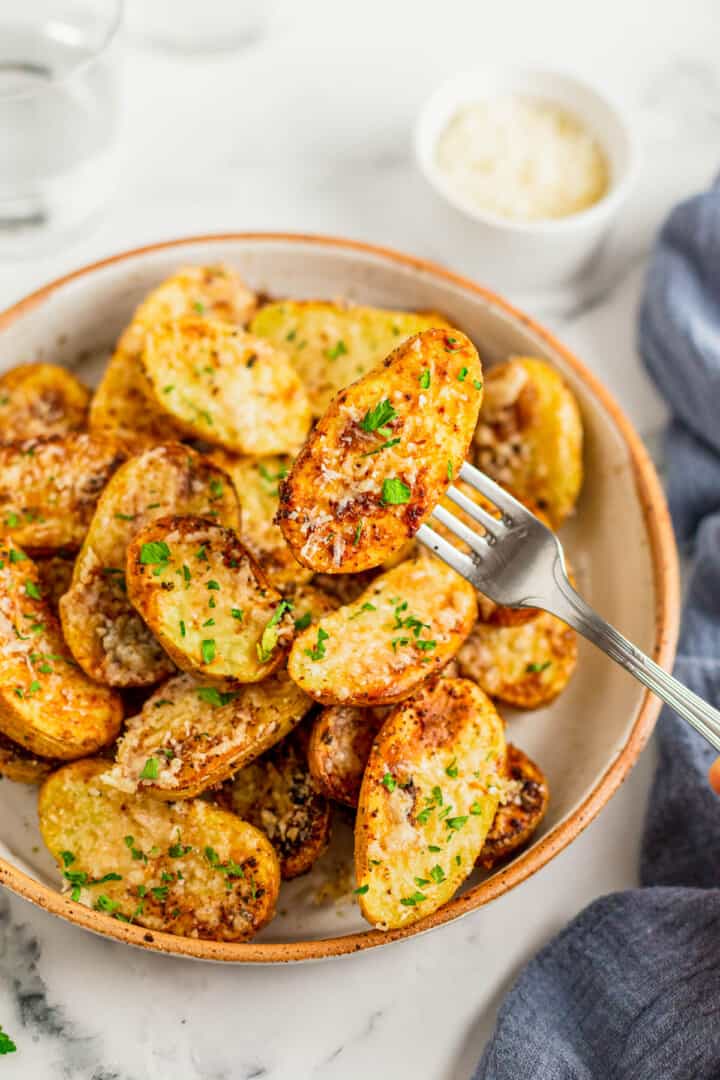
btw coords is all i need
(38, 401)
(522, 808)
(207, 601)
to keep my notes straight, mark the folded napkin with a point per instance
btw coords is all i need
(631, 988)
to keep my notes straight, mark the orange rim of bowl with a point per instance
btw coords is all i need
(666, 581)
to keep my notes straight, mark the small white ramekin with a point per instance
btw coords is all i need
(540, 255)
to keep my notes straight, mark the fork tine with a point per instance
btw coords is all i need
(455, 559)
(477, 541)
(492, 491)
(477, 513)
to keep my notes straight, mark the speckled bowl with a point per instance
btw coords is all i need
(586, 741)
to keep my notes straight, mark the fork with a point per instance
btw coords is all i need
(518, 562)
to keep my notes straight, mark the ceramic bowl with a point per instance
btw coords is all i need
(586, 741)
(541, 255)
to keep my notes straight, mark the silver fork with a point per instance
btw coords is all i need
(518, 562)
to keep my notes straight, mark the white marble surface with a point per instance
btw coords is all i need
(310, 129)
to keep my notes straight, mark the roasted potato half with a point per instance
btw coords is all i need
(256, 481)
(220, 384)
(38, 401)
(403, 629)
(106, 635)
(191, 736)
(123, 404)
(339, 748)
(207, 601)
(277, 794)
(47, 705)
(522, 808)
(331, 345)
(49, 488)
(186, 868)
(428, 798)
(382, 456)
(529, 437)
(526, 666)
(21, 765)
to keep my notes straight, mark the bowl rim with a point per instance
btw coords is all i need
(607, 205)
(665, 571)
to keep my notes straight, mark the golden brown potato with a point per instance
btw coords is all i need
(186, 868)
(339, 748)
(383, 455)
(22, 766)
(525, 665)
(207, 601)
(54, 574)
(529, 437)
(220, 384)
(428, 798)
(49, 488)
(47, 705)
(106, 635)
(191, 736)
(331, 344)
(522, 808)
(38, 401)
(404, 628)
(256, 481)
(309, 603)
(123, 404)
(276, 794)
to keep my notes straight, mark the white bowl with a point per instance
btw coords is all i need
(537, 255)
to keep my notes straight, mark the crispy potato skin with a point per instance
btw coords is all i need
(123, 404)
(432, 781)
(186, 868)
(199, 742)
(38, 401)
(106, 635)
(526, 665)
(354, 496)
(256, 481)
(529, 437)
(220, 384)
(209, 594)
(339, 748)
(22, 766)
(47, 705)
(517, 818)
(331, 345)
(379, 649)
(49, 488)
(277, 794)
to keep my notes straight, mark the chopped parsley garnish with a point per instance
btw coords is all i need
(358, 532)
(537, 668)
(437, 874)
(425, 379)
(201, 553)
(156, 553)
(388, 781)
(476, 808)
(304, 621)
(338, 349)
(399, 641)
(217, 488)
(209, 622)
(160, 892)
(449, 469)
(17, 556)
(213, 696)
(186, 574)
(462, 374)
(207, 650)
(361, 890)
(375, 419)
(176, 851)
(32, 590)
(7, 1046)
(365, 607)
(411, 901)
(124, 517)
(421, 881)
(213, 586)
(452, 344)
(182, 628)
(384, 446)
(270, 635)
(199, 307)
(425, 645)
(455, 823)
(452, 769)
(104, 903)
(477, 384)
(395, 492)
(318, 651)
(12, 520)
(67, 858)
(433, 847)
(150, 769)
(237, 613)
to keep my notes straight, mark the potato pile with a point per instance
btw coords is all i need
(216, 623)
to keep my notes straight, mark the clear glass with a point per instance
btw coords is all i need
(196, 26)
(58, 118)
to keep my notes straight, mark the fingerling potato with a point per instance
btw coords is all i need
(21, 765)
(428, 799)
(522, 808)
(220, 384)
(106, 635)
(276, 793)
(186, 868)
(207, 601)
(339, 748)
(529, 437)
(41, 400)
(383, 454)
(47, 705)
(331, 345)
(49, 488)
(403, 629)
(526, 666)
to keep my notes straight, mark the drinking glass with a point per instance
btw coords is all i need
(58, 118)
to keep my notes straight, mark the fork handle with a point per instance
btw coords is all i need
(577, 613)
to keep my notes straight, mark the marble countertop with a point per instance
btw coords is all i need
(309, 129)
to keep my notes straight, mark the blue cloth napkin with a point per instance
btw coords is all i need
(631, 988)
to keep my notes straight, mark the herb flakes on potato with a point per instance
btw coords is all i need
(383, 455)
